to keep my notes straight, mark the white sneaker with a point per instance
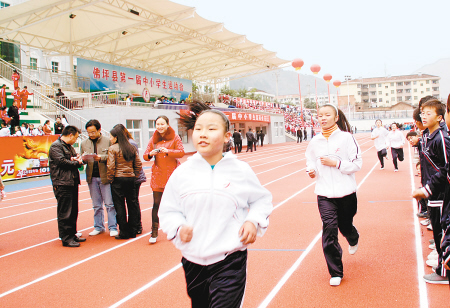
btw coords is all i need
(152, 240)
(432, 263)
(432, 246)
(96, 232)
(434, 252)
(352, 249)
(78, 234)
(395, 170)
(335, 281)
(381, 168)
(425, 222)
(433, 256)
(430, 227)
(113, 233)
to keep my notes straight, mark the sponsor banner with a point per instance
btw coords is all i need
(241, 116)
(106, 77)
(24, 157)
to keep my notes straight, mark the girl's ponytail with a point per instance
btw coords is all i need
(342, 122)
(195, 109)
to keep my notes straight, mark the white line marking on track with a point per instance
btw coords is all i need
(294, 267)
(423, 297)
(145, 287)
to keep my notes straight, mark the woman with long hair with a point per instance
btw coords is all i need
(333, 157)
(142, 178)
(166, 147)
(124, 166)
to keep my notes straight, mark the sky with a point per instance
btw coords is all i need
(347, 37)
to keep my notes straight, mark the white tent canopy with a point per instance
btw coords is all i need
(157, 36)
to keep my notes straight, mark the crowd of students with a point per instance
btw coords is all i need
(29, 129)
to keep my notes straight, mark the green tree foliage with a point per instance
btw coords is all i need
(309, 104)
(242, 92)
(228, 91)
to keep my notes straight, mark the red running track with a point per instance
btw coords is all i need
(286, 267)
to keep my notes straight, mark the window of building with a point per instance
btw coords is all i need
(392, 84)
(407, 83)
(435, 88)
(151, 128)
(135, 129)
(408, 90)
(182, 133)
(421, 84)
(399, 98)
(415, 90)
(380, 99)
(380, 85)
(74, 69)
(55, 67)
(393, 99)
(435, 81)
(359, 92)
(373, 93)
(400, 91)
(359, 85)
(386, 87)
(428, 89)
(275, 125)
(387, 102)
(373, 85)
(387, 94)
(392, 91)
(415, 82)
(428, 82)
(242, 127)
(399, 83)
(365, 93)
(415, 98)
(407, 98)
(421, 92)
(33, 63)
(380, 93)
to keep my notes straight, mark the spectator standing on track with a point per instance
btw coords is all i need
(255, 139)
(299, 135)
(305, 134)
(261, 137)
(96, 169)
(58, 126)
(13, 113)
(379, 134)
(210, 219)
(333, 157)
(237, 138)
(64, 163)
(166, 147)
(249, 136)
(142, 178)
(124, 166)
(435, 149)
(396, 140)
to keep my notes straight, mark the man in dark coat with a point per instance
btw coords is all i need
(299, 135)
(249, 135)
(261, 137)
(13, 113)
(64, 163)
(237, 138)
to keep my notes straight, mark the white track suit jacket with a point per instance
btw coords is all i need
(215, 203)
(332, 182)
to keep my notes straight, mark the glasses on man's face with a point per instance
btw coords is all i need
(92, 133)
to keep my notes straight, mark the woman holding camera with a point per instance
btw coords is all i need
(166, 147)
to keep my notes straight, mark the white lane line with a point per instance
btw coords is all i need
(55, 239)
(284, 177)
(297, 263)
(423, 297)
(280, 166)
(73, 265)
(145, 287)
(40, 223)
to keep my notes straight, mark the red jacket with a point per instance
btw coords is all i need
(164, 164)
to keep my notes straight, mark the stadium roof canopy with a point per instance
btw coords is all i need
(157, 36)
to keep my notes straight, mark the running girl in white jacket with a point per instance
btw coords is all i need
(334, 157)
(213, 207)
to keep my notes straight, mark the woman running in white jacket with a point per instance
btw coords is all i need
(333, 157)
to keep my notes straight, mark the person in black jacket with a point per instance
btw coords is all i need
(13, 113)
(299, 134)
(64, 163)
(237, 138)
(249, 135)
(261, 137)
(58, 126)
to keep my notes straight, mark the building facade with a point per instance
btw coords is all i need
(295, 99)
(389, 91)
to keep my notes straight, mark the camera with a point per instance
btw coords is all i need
(157, 150)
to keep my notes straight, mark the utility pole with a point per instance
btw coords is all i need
(347, 78)
(276, 79)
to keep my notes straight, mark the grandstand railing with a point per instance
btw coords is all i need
(93, 99)
(7, 69)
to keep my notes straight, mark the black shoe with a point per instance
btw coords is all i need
(71, 243)
(79, 239)
(139, 231)
(122, 237)
(422, 214)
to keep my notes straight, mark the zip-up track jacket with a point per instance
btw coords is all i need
(334, 182)
(215, 202)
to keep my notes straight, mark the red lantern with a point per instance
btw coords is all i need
(327, 77)
(336, 83)
(315, 68)
(297, 64)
